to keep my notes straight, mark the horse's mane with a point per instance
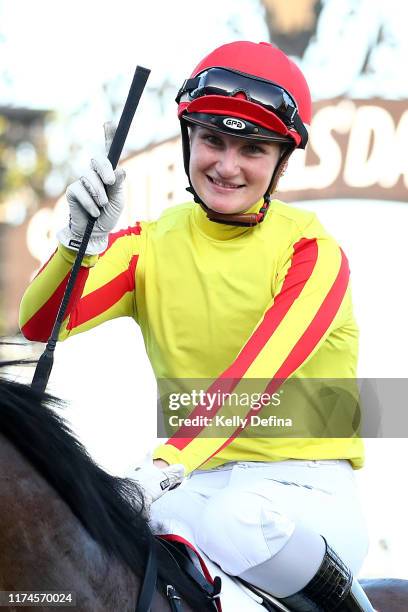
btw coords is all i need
(101, 502)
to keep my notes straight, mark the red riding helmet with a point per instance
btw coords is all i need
(250, 90)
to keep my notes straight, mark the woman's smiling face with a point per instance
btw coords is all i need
(229, 173)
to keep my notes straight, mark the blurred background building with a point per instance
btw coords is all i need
(354, 175)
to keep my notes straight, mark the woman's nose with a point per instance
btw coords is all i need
(228, 164)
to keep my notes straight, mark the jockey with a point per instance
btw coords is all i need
(235, 286)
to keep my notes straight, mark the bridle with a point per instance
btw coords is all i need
(185, 565)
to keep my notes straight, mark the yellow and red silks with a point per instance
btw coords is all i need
(220, 303)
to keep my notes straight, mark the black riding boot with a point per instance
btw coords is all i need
(332, 589)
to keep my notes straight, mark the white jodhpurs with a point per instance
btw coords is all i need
(244, 513)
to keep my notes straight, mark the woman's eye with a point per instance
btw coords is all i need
(212, 140)
(254, 149)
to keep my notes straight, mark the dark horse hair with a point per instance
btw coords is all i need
(101, 502)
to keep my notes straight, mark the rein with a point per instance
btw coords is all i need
(149, 583)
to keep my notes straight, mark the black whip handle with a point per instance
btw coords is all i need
(45, 363)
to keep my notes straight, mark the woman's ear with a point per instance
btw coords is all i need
(283, 164)
(284, 168)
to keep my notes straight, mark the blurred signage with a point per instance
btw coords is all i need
(357, 149)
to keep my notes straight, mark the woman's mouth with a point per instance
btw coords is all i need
(223, 184)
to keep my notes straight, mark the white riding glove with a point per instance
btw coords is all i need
(155, 481)
(99, 193)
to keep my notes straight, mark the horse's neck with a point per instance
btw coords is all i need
(43, 546)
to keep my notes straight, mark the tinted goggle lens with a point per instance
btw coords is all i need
(225, 82)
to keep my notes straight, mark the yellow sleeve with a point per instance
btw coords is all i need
(104, 289)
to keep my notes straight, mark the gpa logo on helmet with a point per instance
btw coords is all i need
(235, 124)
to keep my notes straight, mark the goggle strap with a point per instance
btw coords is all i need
(188, 85)
(301, 130)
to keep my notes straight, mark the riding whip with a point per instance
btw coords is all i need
(45, 363)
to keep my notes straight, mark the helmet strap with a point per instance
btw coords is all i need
(240, 219)
(237, 219)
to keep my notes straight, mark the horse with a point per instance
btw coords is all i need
(67, 526)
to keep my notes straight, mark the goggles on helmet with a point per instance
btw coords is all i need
(226, 82)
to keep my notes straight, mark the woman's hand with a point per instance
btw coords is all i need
(160, 463)
(157, 477)
(98, 193)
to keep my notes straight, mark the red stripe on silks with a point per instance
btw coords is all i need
(104, 297)
(309, 340)
(320, 323)
(39, 327)
(185, 434)
(303, 262)
(134, 230)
